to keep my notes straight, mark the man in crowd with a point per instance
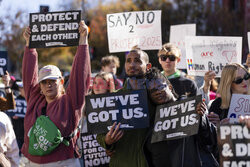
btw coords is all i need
(127, 145)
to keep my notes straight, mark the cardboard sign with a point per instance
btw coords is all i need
(176, 120)
(248, 37)
(239, 105)
(20, 109)
(3, 62)
(54, 29)
(128, 29)
(234, 145)
(177, 37)
(211, 53)
(93, 153)
(127, 107)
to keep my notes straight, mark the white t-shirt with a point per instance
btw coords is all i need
(8, 143)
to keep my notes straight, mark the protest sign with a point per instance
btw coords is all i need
(205, 53)
(177, 37)
(127, 107)
(3, 62)
(176, 120)
(234, 145)
(93, 153)
(20, 109)
(239, 105)
(248, 37)
(54, 29)
(142, 28)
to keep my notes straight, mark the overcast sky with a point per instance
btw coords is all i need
(27, 5)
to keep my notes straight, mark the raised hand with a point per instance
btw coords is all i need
(83, 30)
(208, 77)
(26, 35)
(6, 79)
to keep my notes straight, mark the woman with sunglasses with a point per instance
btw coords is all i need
(234, 80)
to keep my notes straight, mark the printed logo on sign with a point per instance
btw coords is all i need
(122, 126)
(175, 134)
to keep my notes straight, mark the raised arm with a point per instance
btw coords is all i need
(29, 67)
(80, 73)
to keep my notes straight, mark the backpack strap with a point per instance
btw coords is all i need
(44, 109)
(68, 138)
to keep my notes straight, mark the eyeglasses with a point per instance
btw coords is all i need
(240, 80)
(165, 57)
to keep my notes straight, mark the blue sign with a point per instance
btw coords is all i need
(130, 108)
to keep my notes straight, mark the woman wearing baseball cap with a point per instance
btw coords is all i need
(44, 91)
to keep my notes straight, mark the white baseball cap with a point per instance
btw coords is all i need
(49, 72)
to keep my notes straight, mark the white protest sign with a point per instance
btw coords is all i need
(204, 53)
(248, 37)
(177, 37)
(128, 29)
(240, 105)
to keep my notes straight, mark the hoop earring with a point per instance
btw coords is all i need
(41, 92)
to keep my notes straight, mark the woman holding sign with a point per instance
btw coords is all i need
(45, 96)
(234, 80)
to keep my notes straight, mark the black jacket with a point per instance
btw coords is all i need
(215, 107)
(184, 152)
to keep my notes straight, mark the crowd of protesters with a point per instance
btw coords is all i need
(45, 95)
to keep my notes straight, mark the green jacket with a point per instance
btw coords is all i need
(129, 149)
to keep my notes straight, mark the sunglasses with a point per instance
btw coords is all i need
(165, 57)
(240, 80)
